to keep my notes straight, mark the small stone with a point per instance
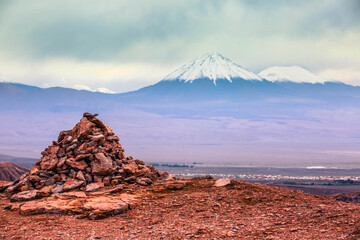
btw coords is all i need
(144, 181)
(72, 184)
(115, 182)
(81, 165)
(50, 181)
(102, 165)
(98, 178)
(24, 196)
(92, 187)
(130, 168)
(222, 182)
(58, 188)
(45, 191)
(130, 179)
(82, 156)
(88, 177)
(63, 177)
(97, 137)
(57, 178)
(107, 180)
(139, 162)
(83, 128)
(80, 176)
(174, 185)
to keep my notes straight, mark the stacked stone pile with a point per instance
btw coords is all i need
(86, 158)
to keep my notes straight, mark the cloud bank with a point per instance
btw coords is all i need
(124, 45)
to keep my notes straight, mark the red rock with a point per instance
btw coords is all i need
(45, 191)
(130, 179)
(164, 174)
(63, 135)
(63, 177)
(92, 187)
(80, 176)
(222, 182)
(98, 178)
(61, 153)
(4, 185)
(48, 163)
(143, 171)
(50, 181)
(82, 156)
(24, 196)
(113, 138)
(83, 128)
(130, 168)
(61, 162)
(24, 188)
(105, 207)
(139, 162)
(106, 180)
(115, 182)
(103, 126)
(80, 165)
(144, 181)
(58, 188)
(88, 177)
(97, 137)
(174, 185)
(57, 178)
(73, 194)
(102, 165)
(72, 184)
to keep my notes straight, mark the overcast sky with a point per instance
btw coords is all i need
(125, 45)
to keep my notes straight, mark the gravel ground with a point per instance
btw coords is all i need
(201, 211)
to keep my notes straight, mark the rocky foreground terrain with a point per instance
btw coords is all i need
(200, 210)
(84, 187)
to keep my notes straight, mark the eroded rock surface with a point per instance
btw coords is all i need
(77, 203)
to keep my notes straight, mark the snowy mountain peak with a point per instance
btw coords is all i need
(291, 73)
(212, 66)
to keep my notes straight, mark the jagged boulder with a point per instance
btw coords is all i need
(87, 157)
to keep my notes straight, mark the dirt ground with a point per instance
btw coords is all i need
(201, 211)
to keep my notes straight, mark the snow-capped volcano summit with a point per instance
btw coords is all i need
(211, 66)
(291, 74)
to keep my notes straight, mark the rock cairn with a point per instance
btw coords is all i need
(87, 158)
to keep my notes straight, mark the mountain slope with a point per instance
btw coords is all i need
(213, 77)
(293, 74)
(211, 66)
(10, 171)
(21, 161)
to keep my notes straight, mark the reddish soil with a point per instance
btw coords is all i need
(201, 211)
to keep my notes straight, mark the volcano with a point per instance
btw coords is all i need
(212, 66)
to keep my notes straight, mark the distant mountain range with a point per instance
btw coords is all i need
(207, 78)
(193, 89)
(210, 100)
(214, 66)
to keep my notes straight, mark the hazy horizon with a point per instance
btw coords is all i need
(123, 46)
